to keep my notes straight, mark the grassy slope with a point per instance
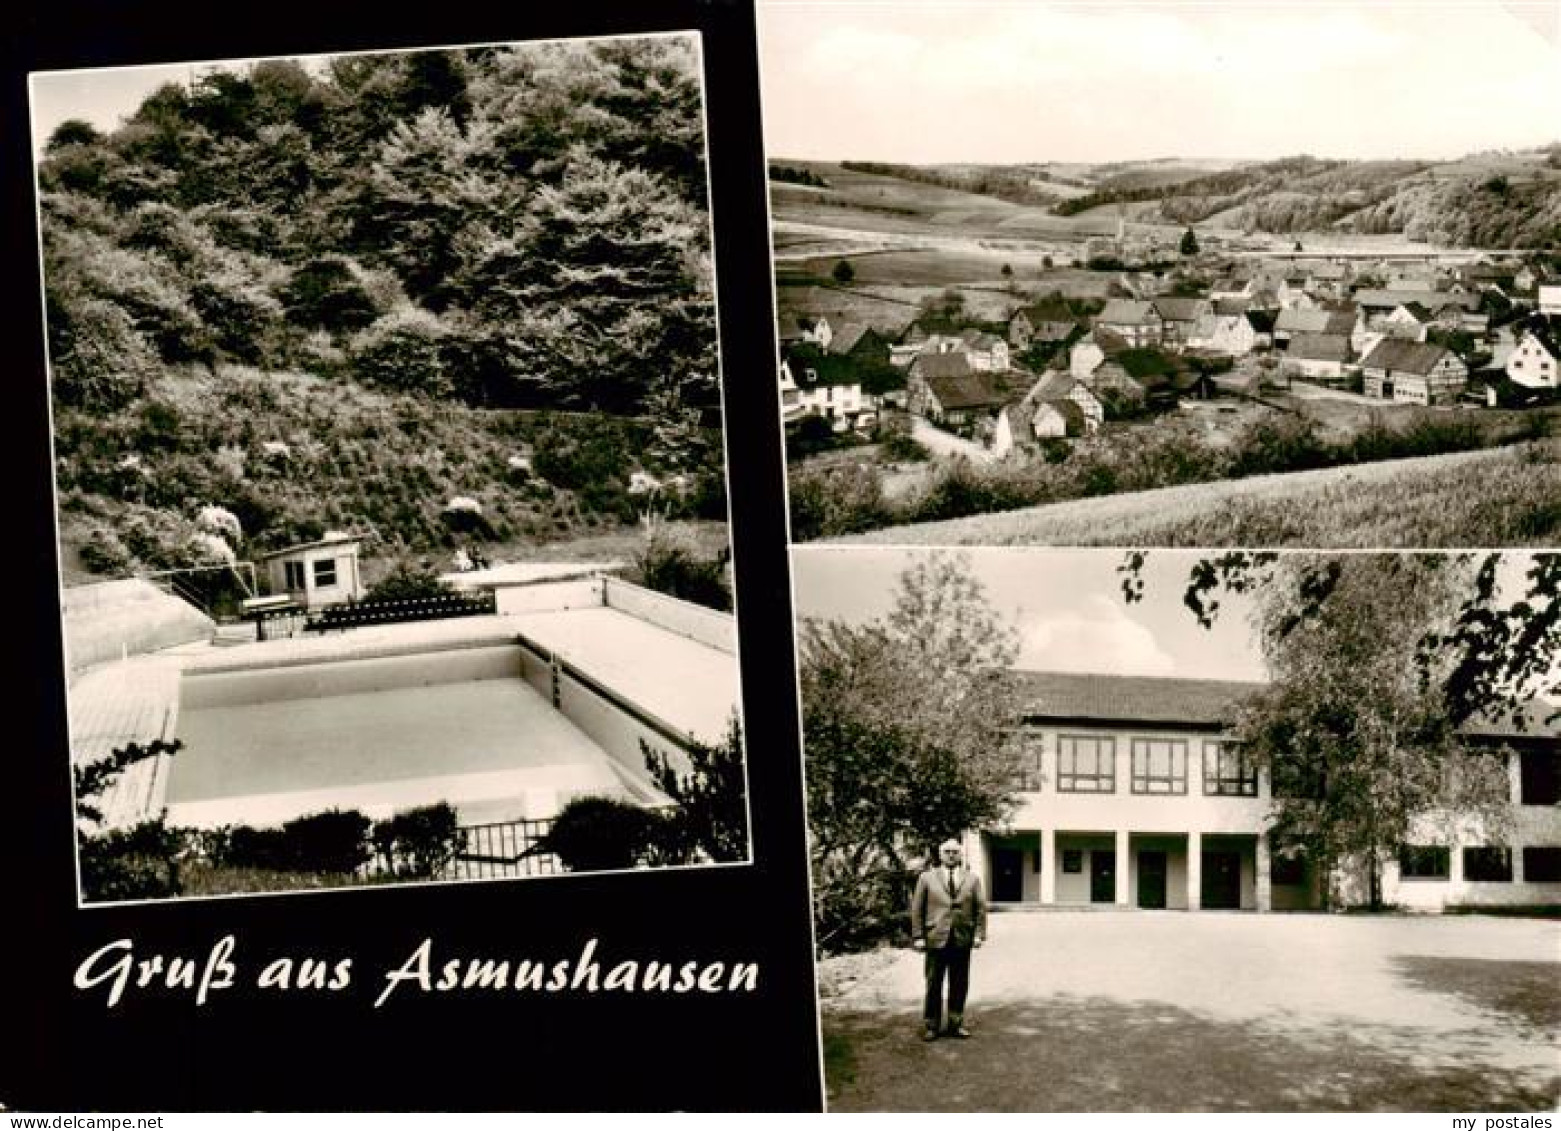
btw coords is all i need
(383, 466)
(1486, 498)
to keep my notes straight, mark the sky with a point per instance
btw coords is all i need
(107, 96)
(1065, 605)
(1030, 81)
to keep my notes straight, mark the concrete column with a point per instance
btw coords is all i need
(1194, 871)
(1264, 881)
(1124, 897)
(1049, 866)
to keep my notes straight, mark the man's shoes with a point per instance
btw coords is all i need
(929, 1033)
(958, 1031)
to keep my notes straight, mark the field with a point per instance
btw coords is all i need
(1426, 502)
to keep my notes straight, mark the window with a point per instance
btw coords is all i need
(295, 574)
(1489, 864)
(1226, 771)
(1159, 765)
(1086, 764)
(1542, 864)
(1424, 862)
(1539, 776)
(1073, 861)
(324, 572)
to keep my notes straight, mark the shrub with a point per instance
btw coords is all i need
(710, 821)
(1286, 443)
(670, 565)
(840, 500)
(404, 351)
(408, 582)
(335, 840)
(594, 834)
(135, 863)
(103, 552)
(858, 909)
(963, 489)
(419, 843)
(900, 446)
(102, 362)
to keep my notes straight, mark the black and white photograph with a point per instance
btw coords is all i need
(389, 467)
(1099, 830)
(1172, 274)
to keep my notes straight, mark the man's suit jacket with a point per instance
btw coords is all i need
(941, 917)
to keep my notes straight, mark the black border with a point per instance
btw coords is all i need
(251, 1050)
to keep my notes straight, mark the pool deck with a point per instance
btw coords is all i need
(687, 684)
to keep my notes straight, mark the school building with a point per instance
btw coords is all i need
(1133, 795)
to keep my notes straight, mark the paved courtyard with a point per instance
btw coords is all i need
(1169, 1011)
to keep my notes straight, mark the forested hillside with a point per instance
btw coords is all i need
(1501, 200)
(298, 295)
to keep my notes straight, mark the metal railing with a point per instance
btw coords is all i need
(355, 614)
(503, 850)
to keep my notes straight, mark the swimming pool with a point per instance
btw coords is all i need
(379, 735)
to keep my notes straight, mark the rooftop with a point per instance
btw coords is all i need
(1139, 699)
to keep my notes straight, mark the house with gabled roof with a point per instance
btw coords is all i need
(945, 389)
(1536, 360)
(1178, 316)
(1327, 280)
(1413, 372)
(815, 383)
(1057, 386)
(1142, 374)
(1134, 793)
(1045, 322)
(986, 351)
(1136, 321)
(1410, 321)
(1091, 350)
(1230, 335)
(1317, 320)
(1319, 357)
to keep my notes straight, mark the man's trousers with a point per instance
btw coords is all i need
(954, 962)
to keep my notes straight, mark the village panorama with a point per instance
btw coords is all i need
(1289, 352)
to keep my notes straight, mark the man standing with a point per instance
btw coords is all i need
(948, 919)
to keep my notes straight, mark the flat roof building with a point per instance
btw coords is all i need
(1134, 795)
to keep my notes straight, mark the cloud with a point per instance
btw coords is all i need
(1097, 636)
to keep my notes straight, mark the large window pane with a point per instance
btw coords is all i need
(1086, 764)
(1226, 771)
(1159, 765)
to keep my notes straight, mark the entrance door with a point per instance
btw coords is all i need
(1222, 880)
(1103, 875)
(1007, 875)
(1151, 878)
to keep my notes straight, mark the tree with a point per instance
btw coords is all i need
(908, 729)
(1376, 662)
(73, 131)
(945, 309)
(710, 820)
(1189, 244)
(843, 272)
